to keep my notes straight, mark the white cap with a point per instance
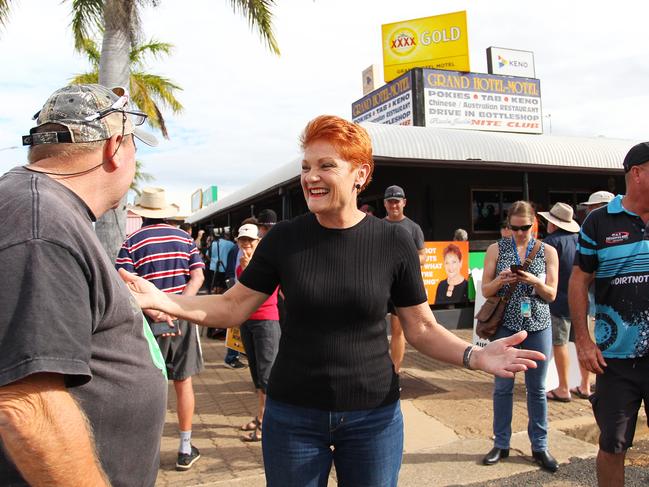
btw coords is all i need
(249, 231)
(598, 197)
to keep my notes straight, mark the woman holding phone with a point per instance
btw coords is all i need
(527, 310)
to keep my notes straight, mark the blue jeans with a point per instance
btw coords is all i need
(300, 445)
(537, 403)
(231, 356)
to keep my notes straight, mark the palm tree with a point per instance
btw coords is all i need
(149, 92)
(140, 177)
(119, 21)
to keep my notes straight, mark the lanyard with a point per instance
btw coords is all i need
(530, 246)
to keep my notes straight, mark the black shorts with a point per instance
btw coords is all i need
(616, 402)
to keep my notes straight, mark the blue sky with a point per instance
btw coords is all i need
(246, 107)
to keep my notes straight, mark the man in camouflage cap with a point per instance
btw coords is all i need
(82, 381)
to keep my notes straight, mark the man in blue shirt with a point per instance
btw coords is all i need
(613, 250)
(219, 251)
(562, 231)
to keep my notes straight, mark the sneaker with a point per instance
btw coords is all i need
(235, 364)
(185, 461)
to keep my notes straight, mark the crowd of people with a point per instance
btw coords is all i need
(93, 382)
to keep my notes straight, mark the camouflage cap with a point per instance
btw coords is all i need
(85, 111)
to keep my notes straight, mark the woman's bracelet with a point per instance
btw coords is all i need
(466, 358)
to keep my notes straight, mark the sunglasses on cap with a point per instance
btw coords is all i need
(120, 105)
(522, 228)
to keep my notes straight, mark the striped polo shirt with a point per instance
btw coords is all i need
(161, 254)
(612, 245)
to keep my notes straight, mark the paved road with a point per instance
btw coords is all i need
(447, 412)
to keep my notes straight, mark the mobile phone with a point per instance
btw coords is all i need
(515, 268)
(163, 327)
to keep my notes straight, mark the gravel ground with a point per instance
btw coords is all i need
(581, 473)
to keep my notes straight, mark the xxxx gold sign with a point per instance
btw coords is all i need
(439, 42)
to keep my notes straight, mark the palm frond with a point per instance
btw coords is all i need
(87, 19)
(4, 12)
(85, 78)
(259, 15)
(140, 177)
(141, 97)
(90, 49)
(154, 48)
(160, 88)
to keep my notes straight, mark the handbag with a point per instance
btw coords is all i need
(491, 313)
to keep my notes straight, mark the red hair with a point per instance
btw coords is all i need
(352, 142)
(453, 249)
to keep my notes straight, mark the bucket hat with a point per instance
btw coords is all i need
(561, 215)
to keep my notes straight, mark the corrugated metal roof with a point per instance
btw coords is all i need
(431, 145)
(402, 142)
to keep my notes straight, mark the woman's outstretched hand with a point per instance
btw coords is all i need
(145, 293)
(501, 358)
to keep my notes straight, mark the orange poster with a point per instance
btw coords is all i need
(233, 340)
(446, 272)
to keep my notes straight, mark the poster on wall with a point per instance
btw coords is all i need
(233, 340)
(446, 272)
(391, 104)
(475, 101)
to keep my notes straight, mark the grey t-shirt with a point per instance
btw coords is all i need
(65, 310)
(413, 229)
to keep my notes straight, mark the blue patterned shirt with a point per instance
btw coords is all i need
(613, 246)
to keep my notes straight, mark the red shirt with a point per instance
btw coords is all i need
(268, 310)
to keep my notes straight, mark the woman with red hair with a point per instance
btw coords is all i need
(333, 395)
(453, 289)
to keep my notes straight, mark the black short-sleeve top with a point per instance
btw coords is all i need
(333, 354)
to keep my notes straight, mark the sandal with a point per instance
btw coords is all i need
(252, 425)
(253, 436)
(577, 392)
(552, 396)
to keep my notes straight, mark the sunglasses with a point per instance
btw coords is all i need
(522, 228)
(120, 105)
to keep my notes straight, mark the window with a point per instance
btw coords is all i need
(489, 208)
(573, 198)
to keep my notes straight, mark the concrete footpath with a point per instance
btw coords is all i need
(447, 413)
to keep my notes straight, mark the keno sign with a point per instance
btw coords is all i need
(510, 62)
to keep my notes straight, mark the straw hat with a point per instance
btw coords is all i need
(561, 215)
(152, 203)
(598, 197)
